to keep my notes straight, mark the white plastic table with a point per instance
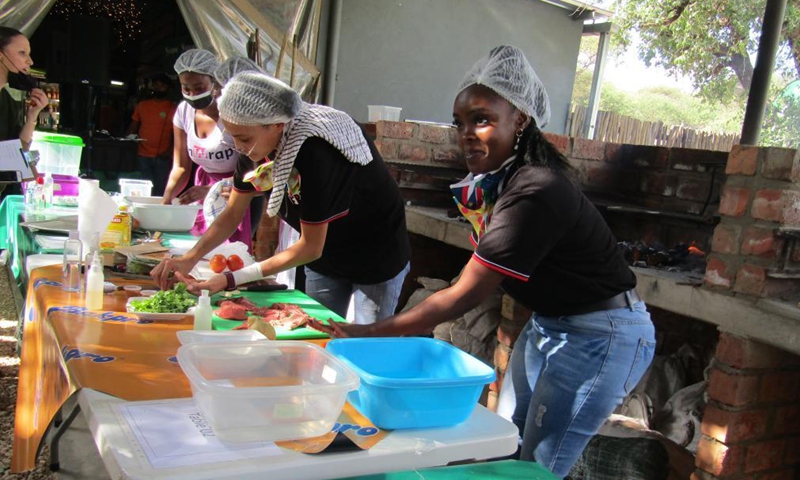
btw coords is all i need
(483, 436)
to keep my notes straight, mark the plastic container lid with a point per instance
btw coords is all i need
(59, 138)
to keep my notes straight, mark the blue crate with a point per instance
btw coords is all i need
(412, 382)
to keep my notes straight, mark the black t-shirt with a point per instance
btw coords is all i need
(367, 240)
(11, 116)
(551, 242)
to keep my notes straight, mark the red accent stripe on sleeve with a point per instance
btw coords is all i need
(500, 268)
(329, 219)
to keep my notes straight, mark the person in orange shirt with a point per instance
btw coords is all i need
(152, 122)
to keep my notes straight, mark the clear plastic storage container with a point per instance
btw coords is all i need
(383, 112)
(58, 153)
(413, 382)
(135, 188)
(265, 390)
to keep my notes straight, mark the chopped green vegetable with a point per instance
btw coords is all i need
(168, 301)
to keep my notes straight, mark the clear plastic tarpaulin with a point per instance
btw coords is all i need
(225, 27)
(24, 15)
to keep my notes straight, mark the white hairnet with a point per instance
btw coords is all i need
(252, 98)
(197, 60)
(234, 65)
(506, 71)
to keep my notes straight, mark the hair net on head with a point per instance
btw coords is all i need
(232, 66)
(506, 71)
(197, 60)
(252, 98)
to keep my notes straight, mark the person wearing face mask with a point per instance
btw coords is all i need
(152, 122)
(542, 241)
(18, 116)
(200, 138)
(327, 180)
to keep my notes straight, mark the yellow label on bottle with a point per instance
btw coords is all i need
(118, 233)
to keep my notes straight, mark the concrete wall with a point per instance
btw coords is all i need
(413, 53)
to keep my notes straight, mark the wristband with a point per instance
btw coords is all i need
(231, 282)
(250, 273)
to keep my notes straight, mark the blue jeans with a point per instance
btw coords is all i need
(566, 376)
(372, 302)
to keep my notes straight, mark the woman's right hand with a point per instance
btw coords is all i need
(163, 273)
(337, 330)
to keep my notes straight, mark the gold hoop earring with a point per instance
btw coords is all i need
(519, 136)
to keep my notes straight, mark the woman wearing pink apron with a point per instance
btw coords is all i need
(200, 139)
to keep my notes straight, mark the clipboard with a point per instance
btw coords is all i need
(14, 162)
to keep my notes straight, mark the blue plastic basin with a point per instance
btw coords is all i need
(412, 382)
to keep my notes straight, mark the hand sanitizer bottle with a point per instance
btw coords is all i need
(202, 312)
(94, 284)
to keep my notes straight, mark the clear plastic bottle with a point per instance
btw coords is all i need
(47, 191)
(202, 312)
(72, 279)
(94, 284)
(38, 195)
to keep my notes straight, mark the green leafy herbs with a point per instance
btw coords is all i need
(166, 301)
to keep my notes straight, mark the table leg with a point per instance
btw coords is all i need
(60, 429)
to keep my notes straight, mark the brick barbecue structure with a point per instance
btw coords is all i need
(741, 207)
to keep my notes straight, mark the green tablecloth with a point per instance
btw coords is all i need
(265, 299)
(20, 242)
(506, 470)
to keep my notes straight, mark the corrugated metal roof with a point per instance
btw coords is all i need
(582, 10)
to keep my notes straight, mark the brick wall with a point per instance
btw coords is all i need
(682, 183)
(760, 194)
(751, 425)
(515, 316)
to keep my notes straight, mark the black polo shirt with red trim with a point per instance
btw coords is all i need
(367, 241)
(554, 247)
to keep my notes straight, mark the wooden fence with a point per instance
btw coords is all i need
(614, 128)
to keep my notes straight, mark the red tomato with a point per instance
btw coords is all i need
(235, 263)
(218, 263)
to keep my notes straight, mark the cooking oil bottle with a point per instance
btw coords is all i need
(118, 233)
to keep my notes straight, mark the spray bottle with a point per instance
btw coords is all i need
(202, 312)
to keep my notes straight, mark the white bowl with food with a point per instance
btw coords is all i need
(152, 215)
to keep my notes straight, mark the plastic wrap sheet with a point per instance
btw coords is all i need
(24, 15)
(225, 26)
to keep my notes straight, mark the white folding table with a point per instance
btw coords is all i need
(483, 436)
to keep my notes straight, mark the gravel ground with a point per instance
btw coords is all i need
(9, 372)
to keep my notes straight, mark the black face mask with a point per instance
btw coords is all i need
(199, 102)
(159, 94)
(20, 81)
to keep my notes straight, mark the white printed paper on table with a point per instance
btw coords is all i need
(174, 433)
(13, 159)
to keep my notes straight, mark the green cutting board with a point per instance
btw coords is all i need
(265, 299)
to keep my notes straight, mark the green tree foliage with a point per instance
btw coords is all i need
(781, 126)
(709, 41)
(663, 104)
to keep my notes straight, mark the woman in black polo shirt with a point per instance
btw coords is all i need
(540, 239)
(327, 180)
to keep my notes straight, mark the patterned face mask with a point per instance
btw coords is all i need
(476, 195)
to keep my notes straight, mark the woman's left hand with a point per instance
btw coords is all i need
(337, 330)
(37, 101)
(215, 284)
(195, 194)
